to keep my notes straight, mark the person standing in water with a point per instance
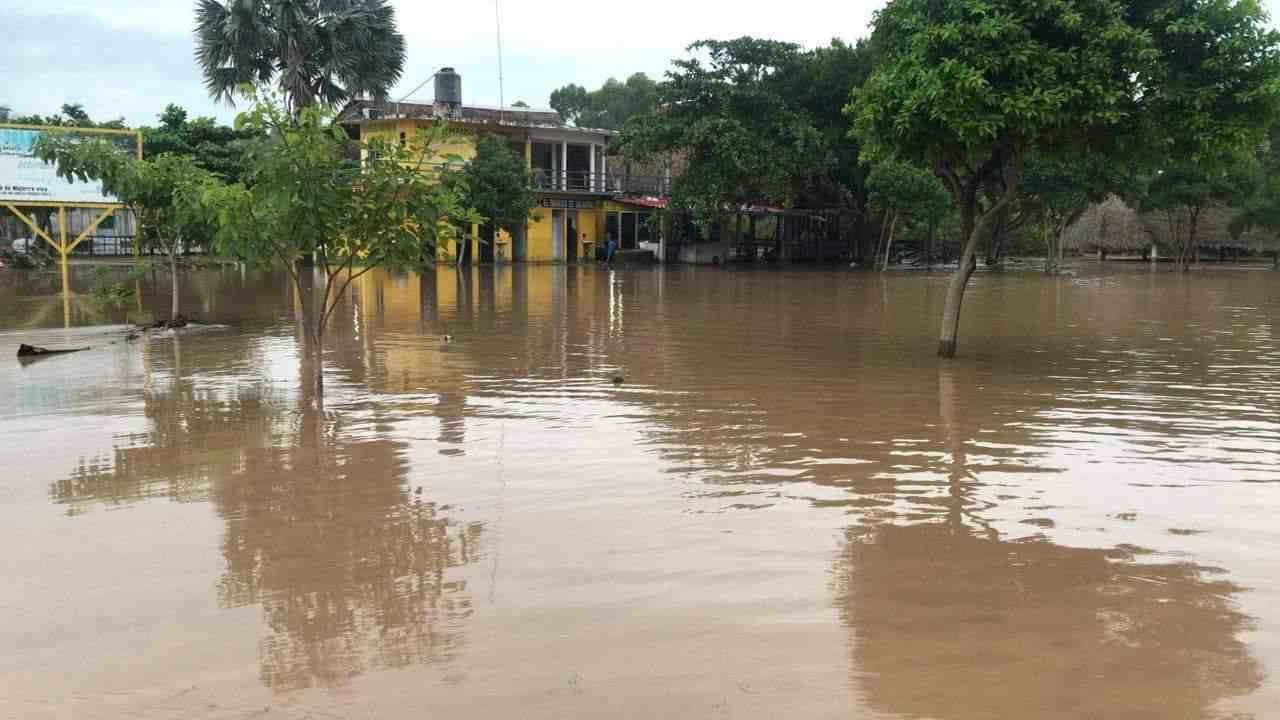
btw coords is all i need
(610, 246)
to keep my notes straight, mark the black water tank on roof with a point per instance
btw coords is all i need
(448, 88)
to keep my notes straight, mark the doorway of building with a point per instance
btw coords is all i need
(571, 236)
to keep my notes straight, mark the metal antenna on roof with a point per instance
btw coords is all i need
(408, 95)
(502, 101)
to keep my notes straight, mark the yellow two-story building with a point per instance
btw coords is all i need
(581, 204)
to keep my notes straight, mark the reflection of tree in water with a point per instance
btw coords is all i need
(950, 624)
(951, 621)
(351, 569)
(195, 431)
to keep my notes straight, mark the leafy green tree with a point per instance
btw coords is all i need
(217, 148)
(610, 106)
(496, 184)
(304, 198)
(71, 115)
(520, 104)
(903, 192)
(1183, 190)
(75, 115)
(971, 88)
(818, 84)
(743, 141)
(163, 192)
(5, 112)
(570, 101)
(1055, 193)
(317, 52)
(1261, 208)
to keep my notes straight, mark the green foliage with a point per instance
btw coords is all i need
(1217, 78)
(900, 188)
(609, 107)
(970, 85)
(818, 84)
(570, 101)
(216, 148)
(317, 52)
(972, 88)
(904, 192)
(1183, 189)
(1187, 184)
(1261, 207)
(742, 139)
(495, 183)
(72, 115)
(163, 191)
(304, 198)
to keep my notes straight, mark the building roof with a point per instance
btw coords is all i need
(360, 111)
(644, 201)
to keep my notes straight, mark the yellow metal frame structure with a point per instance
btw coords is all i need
(61, 244)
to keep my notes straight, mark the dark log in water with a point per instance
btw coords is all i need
(31, 353)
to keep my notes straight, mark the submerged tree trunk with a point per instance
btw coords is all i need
(1050, 239)
(173, 270)
(1193, 243)
(312, 366)
(996, 249)
(888, 233)
(971, 228)
(959, 280)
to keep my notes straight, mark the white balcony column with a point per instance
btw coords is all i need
(591, 176)
(564, 164)
(604, 170)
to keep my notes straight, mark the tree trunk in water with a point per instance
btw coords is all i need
(995, 252)
(959, 280)
(955, 297)
(1050, 252)
(318, 367)
(1193, 244)
(888, 247)
(928, 254)
(1275, 260)
(173, 270)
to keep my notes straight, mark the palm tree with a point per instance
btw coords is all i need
(318, 51)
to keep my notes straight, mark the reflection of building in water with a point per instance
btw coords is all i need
(949, 625)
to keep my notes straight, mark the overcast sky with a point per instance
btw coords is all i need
(129, 58)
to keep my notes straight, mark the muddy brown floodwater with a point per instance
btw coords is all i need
(789, 508)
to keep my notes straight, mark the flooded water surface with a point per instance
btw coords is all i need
(786, 508)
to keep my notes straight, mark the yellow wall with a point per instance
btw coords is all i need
(539, 237)
(588, 238)
(460, 142)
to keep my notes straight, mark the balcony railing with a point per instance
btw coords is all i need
(574, 181)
